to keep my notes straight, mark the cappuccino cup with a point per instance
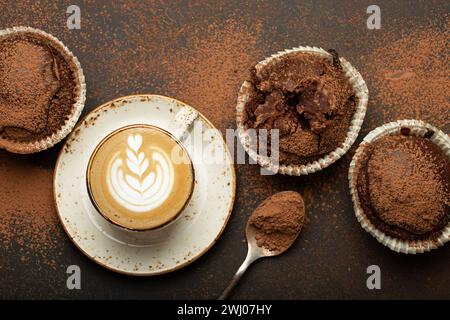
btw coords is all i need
(140, 177)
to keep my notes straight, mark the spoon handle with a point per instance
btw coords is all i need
(239, 273)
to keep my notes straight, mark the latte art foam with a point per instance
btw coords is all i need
(133, 180)
(132, 184)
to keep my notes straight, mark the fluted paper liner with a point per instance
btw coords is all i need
(361, 92)
(67, 127)
(418, 128)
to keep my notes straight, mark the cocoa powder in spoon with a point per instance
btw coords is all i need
(278, 220)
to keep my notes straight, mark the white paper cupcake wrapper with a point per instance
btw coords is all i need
(51, 140)
(418, 128)
(361, 92)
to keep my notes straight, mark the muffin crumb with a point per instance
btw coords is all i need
(308, 99)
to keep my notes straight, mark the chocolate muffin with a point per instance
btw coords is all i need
(308, 99)
(38, 86)
(403, 183)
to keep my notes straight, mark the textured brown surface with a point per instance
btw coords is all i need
(200, 53)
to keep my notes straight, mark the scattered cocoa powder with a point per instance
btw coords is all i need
(210, 71)
(409, 75)
(404, 186)
(278, 220)
(29, 225)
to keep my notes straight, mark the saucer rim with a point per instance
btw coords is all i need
(188, 261)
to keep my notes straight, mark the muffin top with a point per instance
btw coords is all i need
(307, 98)
(404, 184)
(37, 86)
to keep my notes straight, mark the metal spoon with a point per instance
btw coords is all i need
(254, 253)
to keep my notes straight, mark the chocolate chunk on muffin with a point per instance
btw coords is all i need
(308, 99)
(38, 86)
(403, 184)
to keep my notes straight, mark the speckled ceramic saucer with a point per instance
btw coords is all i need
(156, 251)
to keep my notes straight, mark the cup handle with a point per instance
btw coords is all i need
(183, 120)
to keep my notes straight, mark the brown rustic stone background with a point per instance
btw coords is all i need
(199, 52)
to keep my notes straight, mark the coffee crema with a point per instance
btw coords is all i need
(140, 177)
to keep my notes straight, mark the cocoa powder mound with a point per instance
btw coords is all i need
(278, 220)
(29, 225)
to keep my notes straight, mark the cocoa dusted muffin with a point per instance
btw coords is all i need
(308, 99)
(403, 183)
(38, 86)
